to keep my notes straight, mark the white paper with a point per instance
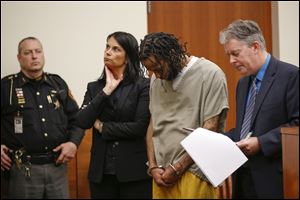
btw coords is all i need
(215, 154)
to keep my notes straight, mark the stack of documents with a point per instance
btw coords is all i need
(215, 154)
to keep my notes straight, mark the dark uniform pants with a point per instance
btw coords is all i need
(46, 181)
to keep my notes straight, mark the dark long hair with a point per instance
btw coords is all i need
(133, 69)
(164, 47)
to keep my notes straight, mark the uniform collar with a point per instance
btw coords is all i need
(24, 79)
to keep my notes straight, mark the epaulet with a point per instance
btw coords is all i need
(9, 77)
(53, 75)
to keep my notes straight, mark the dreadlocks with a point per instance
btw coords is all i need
(165, 48)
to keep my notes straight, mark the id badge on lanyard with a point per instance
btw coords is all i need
(18, 122)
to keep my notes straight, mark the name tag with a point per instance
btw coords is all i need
(18, 121)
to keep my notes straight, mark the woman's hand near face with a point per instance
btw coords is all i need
(112, 81)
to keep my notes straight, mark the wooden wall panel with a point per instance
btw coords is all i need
(72, 176)
(78, 169)
(290, 156)
(83, 161)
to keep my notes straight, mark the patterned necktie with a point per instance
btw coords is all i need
(249, 110)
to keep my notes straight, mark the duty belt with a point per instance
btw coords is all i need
(24, 160)
(37, 158)
(43, 158)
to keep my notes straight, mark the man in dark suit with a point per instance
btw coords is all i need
(267, 99)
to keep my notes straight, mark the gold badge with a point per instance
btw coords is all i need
(56, 104)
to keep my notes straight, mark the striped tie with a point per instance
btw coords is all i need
(249, 110)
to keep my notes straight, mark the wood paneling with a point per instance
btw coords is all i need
(290, 156)
(72, 176)
(83, 161)
(78, 169)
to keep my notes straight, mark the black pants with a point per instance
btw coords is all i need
(245, 185)
(111, 188)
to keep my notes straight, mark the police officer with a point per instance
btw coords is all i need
(38, 130)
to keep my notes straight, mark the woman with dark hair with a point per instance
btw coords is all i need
(185, 91)
(117, 107)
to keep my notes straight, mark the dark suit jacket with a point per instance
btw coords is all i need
(277, 105)
(126, 125)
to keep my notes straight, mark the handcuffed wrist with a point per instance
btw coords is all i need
(175, 170)
(152, 168)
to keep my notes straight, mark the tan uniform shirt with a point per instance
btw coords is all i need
(200, 94)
